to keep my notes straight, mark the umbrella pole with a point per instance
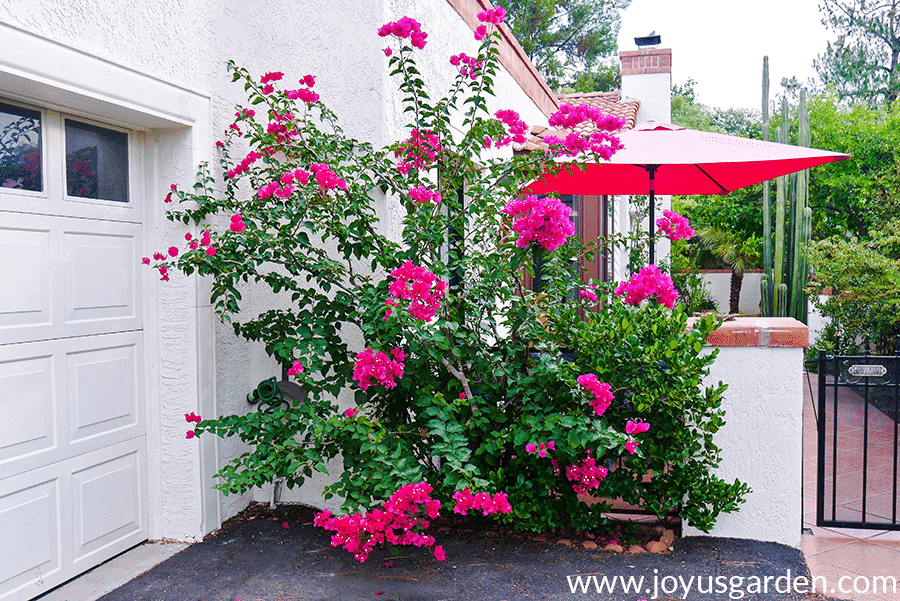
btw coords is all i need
(651, 171)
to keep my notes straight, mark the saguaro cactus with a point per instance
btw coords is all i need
(785, 270)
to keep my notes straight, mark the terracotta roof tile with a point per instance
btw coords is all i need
(610, 103)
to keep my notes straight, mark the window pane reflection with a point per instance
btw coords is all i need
(20, 148)
(96, 162)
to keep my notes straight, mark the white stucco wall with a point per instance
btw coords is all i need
(761, 442)
(719, 287)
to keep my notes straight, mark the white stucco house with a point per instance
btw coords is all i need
(99, 360)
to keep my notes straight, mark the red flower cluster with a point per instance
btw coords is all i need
(675, 226)
(470, 66)
(419, 151)
(492, 15)
(378, 367)
(244, 165)
(396, 524)
(295, 369)
(542, 220)
(601, 391)
(650, 281)
(541, 449)
(237, 224)
(326, 178)
(465, 501)
(517, 127)
(419, 286)
(272, 76)
(405, 28)
(587, 475)
(190, 417)
(422, 194)
(600, 141)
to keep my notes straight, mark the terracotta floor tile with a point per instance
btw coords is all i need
(889, 536)
(815, 545)
(863, 557)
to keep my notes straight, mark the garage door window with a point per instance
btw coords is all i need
(20, 148)
(96, 162)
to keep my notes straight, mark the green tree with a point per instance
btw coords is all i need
(851, 197)
(864, 62)
(571, 42)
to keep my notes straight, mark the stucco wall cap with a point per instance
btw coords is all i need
(765, 332)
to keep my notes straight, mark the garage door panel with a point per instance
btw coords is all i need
(98, 294)
(31, 542)
(27, 419)
(106, 504)
(25, 298)
(102, 390)
(67, 277)
(68, 397)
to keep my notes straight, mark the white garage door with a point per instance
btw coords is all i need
(73, 485)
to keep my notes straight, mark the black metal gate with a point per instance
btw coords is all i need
(857, 416)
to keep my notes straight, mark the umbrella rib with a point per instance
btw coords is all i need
(721, 187)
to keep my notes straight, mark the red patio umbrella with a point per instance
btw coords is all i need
(660, 158)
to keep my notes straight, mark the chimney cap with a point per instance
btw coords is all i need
(649, 40)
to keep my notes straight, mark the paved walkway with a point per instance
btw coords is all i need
(834, 553)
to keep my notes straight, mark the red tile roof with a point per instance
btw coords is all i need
(610, 103)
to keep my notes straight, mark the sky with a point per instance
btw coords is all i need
(721, 43)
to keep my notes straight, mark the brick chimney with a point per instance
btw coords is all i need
(647, 77)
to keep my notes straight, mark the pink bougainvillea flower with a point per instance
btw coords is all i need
(405, 28)
(542, 220)
(350, 412)
(492, 15)
(588, 294)
(421, 194)
(237, 224)
(145, 260)
(420, 287)
(636, 427)
(273, 76)
(205, 238)
(399, 521)
(439, 553)
(173, 187)
(326, 178)
(419, 151)
(168, 197)
(190, 434)
(219, 144)
(675, 226)
(631, 446)
(517, 128)
(268, 89)
(173, 251)
(376, 368)
(601, 391)
(530, 448)
(285, 525)
(308, 80)
(211, 251)
(586, 475)
(480, 32)
(649, 282)
(465, 500)
(295, 369)
(192, 417)
(194, 244)
(387, 51)
(469, 66)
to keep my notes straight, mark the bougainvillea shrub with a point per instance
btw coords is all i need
(472, 391)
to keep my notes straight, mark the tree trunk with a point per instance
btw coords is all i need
(737, 279)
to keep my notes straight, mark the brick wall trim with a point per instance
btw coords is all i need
(646, 61)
